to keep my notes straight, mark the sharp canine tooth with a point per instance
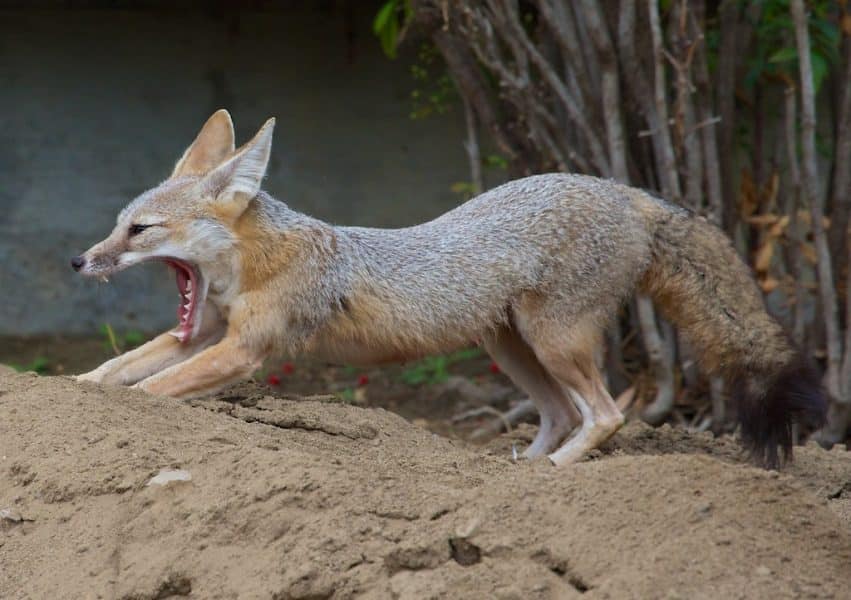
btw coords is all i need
(104, 278)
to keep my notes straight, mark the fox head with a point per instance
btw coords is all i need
(186, 221)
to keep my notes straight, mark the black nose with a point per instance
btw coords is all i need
(77, 262)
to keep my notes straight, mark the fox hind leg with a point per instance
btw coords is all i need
(566, 351)
(517, 360)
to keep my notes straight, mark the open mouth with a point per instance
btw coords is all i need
(189, 285)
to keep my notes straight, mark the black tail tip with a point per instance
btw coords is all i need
(768, 410)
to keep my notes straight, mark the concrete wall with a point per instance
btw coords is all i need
(96, 106)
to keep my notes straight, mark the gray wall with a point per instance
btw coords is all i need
(96, 106)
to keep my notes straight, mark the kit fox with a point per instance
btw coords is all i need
(533, 270)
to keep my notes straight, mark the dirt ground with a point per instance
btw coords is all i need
(319, 499)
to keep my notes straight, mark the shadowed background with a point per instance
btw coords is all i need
(98, 104)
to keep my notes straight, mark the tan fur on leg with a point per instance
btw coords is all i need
(558, 415)
(162, 352)
(206, 372)
(567, 352)
(601, 417)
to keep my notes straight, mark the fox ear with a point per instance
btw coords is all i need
(237, 180)
(213, 144)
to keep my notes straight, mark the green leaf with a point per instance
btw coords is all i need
(133, 338)
(388, 38)
(784, 54)
(383, 17)
(496, 161)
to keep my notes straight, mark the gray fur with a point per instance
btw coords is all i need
(580, 241)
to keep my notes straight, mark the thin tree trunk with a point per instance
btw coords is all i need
(471, 145)
(793, 230)
(726, 97)
(840, 202)
(661, 358)
(514, 33)
(827, 290)
(470, 81)
(668, 163)
(707, 122)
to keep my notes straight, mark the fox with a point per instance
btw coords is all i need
(533, 270)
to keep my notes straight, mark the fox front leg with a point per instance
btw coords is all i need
(160, 353)
(228, 361)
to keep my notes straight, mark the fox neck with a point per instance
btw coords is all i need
(270, 240)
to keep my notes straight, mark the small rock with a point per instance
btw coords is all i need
(763, 571)
(467, 529)
(12, 516)
(166, 476)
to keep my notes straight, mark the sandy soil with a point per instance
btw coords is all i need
(311, 499)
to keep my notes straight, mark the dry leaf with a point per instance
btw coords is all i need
(763, 220)
(769, 191)
(779, 227)
(762, 260)
(809, 252)
(625, 398)
(748, 198)
(769, 284)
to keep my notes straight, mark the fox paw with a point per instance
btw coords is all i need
(92, 376)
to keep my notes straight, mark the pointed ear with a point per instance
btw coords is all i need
(213, 144)
(237, 180)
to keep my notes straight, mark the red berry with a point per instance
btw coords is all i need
(494, 368)
(363, 380)
(273, 380)
(287, 368)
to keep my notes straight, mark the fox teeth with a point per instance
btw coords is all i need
(104, 278)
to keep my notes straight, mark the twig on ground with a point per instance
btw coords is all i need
(506, 420)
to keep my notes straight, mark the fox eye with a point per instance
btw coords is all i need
(136, 229)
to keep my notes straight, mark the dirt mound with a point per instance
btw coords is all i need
(308, 499)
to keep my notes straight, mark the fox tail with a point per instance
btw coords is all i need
(700, 283)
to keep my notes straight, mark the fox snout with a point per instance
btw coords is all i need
(100, 260)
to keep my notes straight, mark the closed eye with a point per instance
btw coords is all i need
(137, 229)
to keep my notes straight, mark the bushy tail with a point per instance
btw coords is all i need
(700, 283)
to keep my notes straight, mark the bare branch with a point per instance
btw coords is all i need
(515, 33)
(827, 291)
(471, 145)
(667, 165)
(792, 205)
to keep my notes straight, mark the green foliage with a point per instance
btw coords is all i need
(775, 54)
(464, 189)
(435, 369)
(392, 15)
(495, 161)
(119, 343)
(40, 365)
(434, 91)
(347, 396)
